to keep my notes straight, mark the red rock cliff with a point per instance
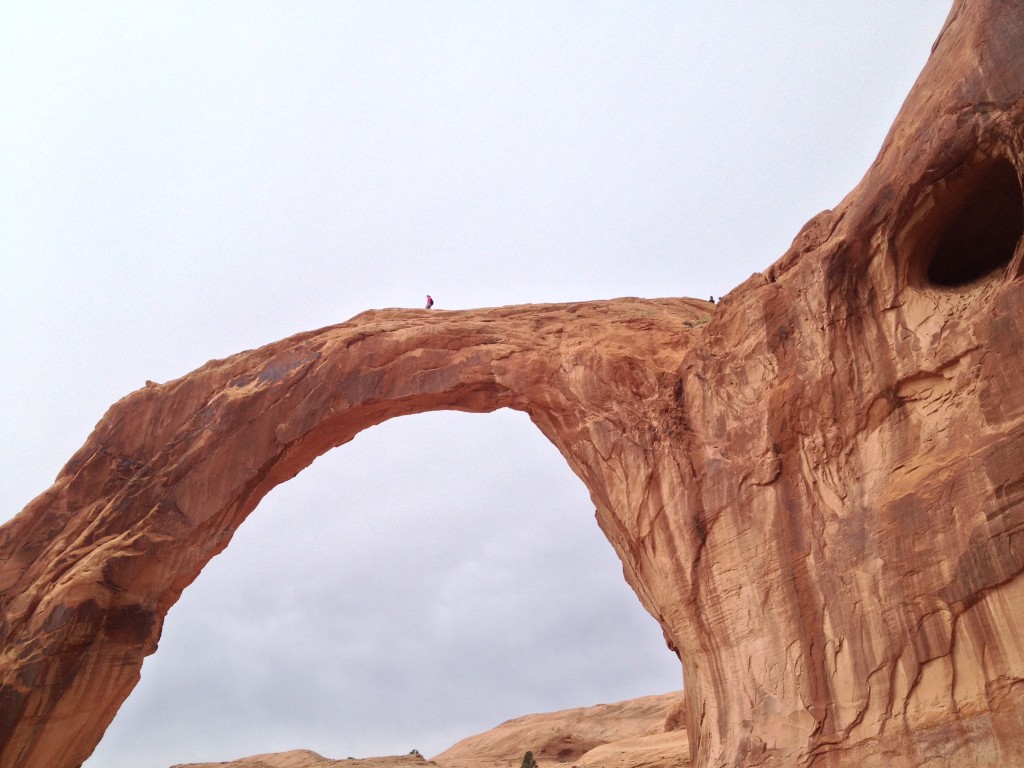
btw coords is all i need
(818, 493)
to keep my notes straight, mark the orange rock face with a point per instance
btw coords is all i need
(818, 493)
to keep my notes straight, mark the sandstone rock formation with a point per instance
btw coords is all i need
(670, 749)
(648, 732)
(818, 493)
(623, 731)
(304, 758)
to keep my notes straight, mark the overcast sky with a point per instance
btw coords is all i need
(181, 181)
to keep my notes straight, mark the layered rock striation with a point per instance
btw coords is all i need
(818, 493)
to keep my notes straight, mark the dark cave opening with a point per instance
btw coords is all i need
(983, 223)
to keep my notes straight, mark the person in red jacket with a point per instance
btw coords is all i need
(430, 301)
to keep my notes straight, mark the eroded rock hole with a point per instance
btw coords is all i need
(983, 225)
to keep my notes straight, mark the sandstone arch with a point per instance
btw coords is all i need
(172, 470)
(818, 493)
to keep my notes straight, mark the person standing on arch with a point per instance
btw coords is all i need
(430, 301)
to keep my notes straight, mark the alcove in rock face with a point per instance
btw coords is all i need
(973, 227)
(817, 494)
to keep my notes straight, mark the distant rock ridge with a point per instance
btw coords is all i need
(639, 733)
(305, 758)
(816, 486)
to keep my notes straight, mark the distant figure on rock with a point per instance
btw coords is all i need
(711, 299)
(430, 301)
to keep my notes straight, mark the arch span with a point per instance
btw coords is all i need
(172, 470)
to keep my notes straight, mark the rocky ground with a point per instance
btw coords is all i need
(648, 732)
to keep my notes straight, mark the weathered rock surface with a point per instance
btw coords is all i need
(570, 736)
(670, 749)
(818, 493)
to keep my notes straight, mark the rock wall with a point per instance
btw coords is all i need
(818, 493)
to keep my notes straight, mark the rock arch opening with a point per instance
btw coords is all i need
(172, 470)
(436, 492)
(975, 227)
